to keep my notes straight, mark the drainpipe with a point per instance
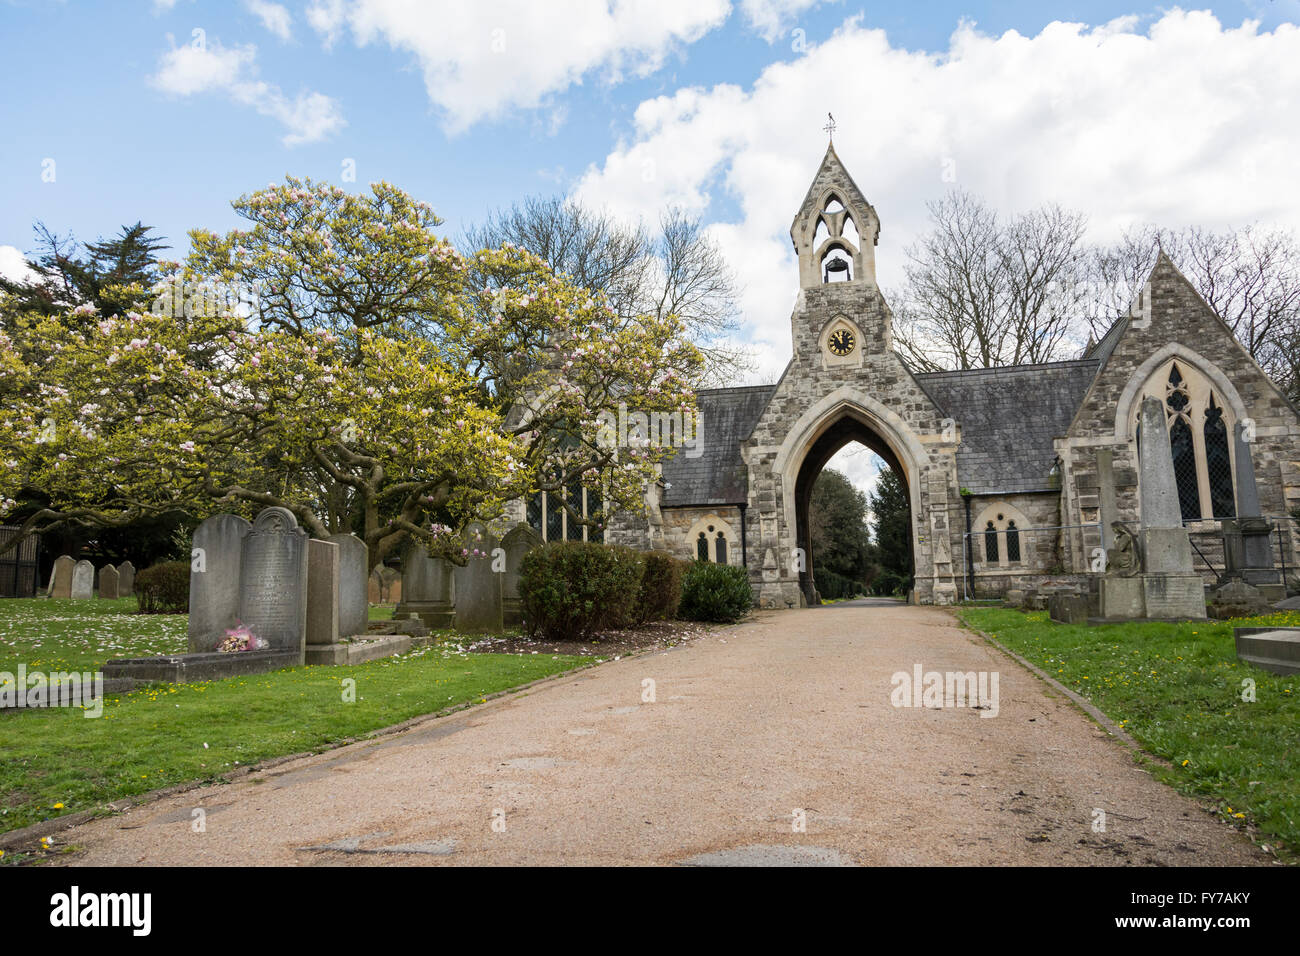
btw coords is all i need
(744, 550)
(970, 564)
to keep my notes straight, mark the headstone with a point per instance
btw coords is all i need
(61, 577)
(214, 580)
(1014, 597)
(1159, 488)
(1158, 581)
(83, 581)
(322, 592)
(126, 579)
(108, 582)
(1236, 598)
(1248, 541)
(354, 561)
(393, 594)
(273, 580)
(375, 587)
(428, 587)
(1068, 608)
(518, 542)
(479, 586)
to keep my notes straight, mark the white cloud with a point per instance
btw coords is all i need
(13, 264)
(771, 18)
(274, 16)
(1188, 122)
(211, 68)
(481, 60)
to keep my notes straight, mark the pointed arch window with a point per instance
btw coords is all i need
(702, 547)
(1013, 542)
(1199, 427)
(1218, 462)
(991, 544)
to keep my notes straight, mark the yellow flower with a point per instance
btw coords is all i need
(1186, 762)
(58, 806)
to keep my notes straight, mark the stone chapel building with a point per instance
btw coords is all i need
(1014, 474)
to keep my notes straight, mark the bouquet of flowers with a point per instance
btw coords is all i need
(241, 639)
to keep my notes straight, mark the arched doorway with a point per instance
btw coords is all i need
(846, 429)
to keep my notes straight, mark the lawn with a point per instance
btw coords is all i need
(1178, 690)
(57, 761)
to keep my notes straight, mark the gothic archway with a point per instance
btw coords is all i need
(845, 429)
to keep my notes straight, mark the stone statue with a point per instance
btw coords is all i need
(1124, 559)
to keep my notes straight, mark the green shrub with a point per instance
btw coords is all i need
(164, 588)
(661, 587)
(891, 584)
(570, 590)
(716, 592)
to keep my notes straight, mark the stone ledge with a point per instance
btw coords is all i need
(209, 665)
(358, 651)
(1275, 649)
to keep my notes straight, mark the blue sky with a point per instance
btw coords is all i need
(1131, 112)
(78, 91)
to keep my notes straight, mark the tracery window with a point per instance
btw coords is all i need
(1199, 427)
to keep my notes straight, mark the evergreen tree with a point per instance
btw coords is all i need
(892, 519)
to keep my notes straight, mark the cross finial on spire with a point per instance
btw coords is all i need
(830, 127)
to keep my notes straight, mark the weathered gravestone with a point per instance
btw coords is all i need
(354, 558)
(427, 588)
(108, 582)
(517, 542)
(273, 580)
(125, 579)
(1150, 575)
(1067, 608)
(1248, 539)
(479, 590)
(83, 581)
(375, 587)
(61, 577)
(214, 580)
(322, 592)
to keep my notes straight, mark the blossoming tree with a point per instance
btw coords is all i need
(341, 360)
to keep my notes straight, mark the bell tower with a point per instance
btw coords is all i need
(836, 230)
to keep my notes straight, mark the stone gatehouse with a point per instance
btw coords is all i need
(1013, 474)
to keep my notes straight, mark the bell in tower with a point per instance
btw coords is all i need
(836, 230)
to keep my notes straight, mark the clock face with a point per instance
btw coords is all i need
(841, 342)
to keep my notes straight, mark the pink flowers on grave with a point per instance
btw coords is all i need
(241, 639)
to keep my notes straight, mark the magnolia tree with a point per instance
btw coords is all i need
(340, 360)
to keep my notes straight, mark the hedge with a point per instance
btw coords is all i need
(570, 590)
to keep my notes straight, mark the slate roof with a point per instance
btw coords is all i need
(717, 476)
(1009, 418)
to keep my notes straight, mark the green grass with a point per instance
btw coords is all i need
(176, 733)
(1177, 689)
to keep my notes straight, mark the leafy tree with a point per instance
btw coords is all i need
(891, 516)
(837, 514)
(336, 359)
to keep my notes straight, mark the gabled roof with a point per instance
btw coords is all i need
(717, 475)
(1009, 418)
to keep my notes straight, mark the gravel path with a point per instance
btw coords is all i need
(790, 712)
